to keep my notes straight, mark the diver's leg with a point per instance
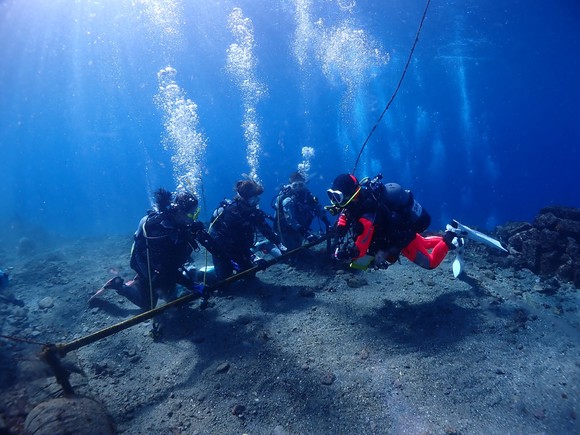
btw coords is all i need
(222, 266)
(417, 251)
(137, 291)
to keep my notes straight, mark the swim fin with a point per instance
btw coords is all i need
(478, 236)
(464, 232)
(458, 262)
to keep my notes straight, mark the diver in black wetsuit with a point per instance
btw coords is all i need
(163, 244)
(296, 207)
(234, 228)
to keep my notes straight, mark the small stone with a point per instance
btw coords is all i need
(245, 320)
(364, 354)
(356, 282)
(238, 410)
(540, 414)
(45, 303)
(100, 368)
(328, 379)
(222, 368)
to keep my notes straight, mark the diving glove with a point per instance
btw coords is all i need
(346, 253)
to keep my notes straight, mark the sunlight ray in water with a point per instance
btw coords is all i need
(348, 57)
(78, 80)
(165, 17)
(306, 33)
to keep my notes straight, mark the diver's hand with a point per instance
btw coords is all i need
(260, 263)
(346, 253)
(311, 238)
(196, 226)
(199, 289)
(341, 230)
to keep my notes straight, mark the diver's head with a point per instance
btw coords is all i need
(297, 181)
(345, 189)
(249, 191)
(185, 203)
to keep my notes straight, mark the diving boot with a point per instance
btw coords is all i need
(115, 283)
(453, 236)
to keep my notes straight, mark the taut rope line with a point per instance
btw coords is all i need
(396, 89)
(51, 353)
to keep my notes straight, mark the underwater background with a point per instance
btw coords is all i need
(101, 102)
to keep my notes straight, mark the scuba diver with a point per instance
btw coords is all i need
(296, 207)
(163, 243)
(234, 227)
(385, 221)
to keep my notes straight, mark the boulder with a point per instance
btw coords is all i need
(68, 415)
(550, 246)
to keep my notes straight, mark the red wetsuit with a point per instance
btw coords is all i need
(427, 252)
(363, 240)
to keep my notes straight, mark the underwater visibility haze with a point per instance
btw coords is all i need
(101, 102)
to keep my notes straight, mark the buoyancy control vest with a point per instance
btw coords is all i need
(399, 215)
(294, 210)
(160, 243)
(234, 225)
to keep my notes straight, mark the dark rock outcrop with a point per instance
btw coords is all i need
(68, 415)
(549, 247)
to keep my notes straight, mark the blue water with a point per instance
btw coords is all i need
(103, 101)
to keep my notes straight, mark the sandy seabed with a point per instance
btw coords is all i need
(308, 348)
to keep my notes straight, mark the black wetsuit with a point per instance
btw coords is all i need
(234, 229)
(295, 211)
(161, 247)
(390, 213)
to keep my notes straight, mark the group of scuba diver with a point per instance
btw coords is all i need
(375, 224)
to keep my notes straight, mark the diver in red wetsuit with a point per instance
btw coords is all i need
(385, 220)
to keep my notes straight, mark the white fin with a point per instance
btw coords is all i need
(457, 265)
(480, 237)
